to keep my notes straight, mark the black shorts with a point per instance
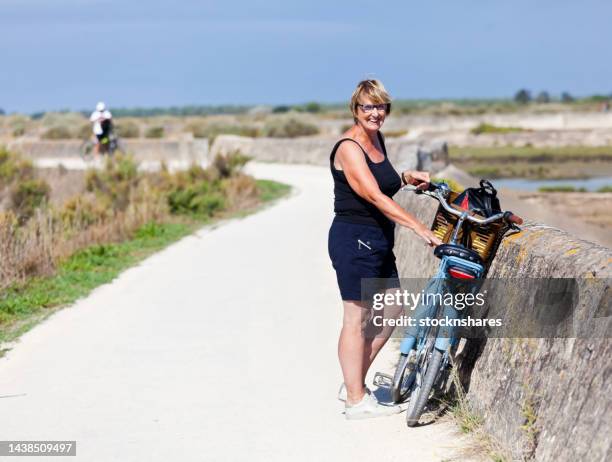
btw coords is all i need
(360, 251)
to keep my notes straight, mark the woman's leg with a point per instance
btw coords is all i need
(351, 349)
(374, 343)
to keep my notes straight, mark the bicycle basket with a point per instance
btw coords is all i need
(482, 239)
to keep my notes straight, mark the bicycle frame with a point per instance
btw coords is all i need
(437, 285)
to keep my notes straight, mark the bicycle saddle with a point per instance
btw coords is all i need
(454, 250)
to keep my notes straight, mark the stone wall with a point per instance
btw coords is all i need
(403, 154)
(545, 399)
(530, 121)
(171, 151)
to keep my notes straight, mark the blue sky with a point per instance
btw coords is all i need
(71, 53)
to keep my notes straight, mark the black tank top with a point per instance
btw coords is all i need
(352, 208)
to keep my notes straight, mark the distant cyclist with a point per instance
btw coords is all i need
(102, 122)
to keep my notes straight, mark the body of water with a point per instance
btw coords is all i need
(522, 184)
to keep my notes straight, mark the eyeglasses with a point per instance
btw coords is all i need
(367, 108)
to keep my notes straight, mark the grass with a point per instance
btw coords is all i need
(488, 128)
(481, 443)
(389, 133)
(513, 153)
(23, 306)
(271, 190)
(530, 427)
(531, 162)
(561, 188)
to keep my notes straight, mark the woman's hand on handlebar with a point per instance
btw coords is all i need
(416, 178)
(427, 235)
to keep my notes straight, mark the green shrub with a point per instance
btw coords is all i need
(395, 133)
(84, 131)
(605, 189)
(114, 184)
(211, 131)
(288, 128)
(154, 132)
(151, 230)
(92, 257)
(28, 195)
(229, 164)
(312, 107)
(486, 172)
(25, 192)
(488, 128)
(8, 166)
(280, 109)
(57, 133)
(561, 188)
(79, 212)
(129, 129)
(198, 199)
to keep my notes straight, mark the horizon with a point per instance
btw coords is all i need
(555, 98)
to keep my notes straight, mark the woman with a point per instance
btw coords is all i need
(361, 237)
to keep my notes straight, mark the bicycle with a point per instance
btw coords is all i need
(108, 145)
(423, 364)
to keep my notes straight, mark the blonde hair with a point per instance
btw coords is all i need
(375, 90)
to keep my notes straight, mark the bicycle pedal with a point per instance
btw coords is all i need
(382, 380)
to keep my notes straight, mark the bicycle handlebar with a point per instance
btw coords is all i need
(440, 191)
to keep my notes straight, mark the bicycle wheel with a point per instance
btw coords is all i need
(115, 145)
(425, 377)
(404, 377)
(86, 150)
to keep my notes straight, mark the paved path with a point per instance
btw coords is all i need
(221, 347)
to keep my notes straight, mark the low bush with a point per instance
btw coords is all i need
(128, 129)
(288, 128)
(488, 128)
(13, 167)
(204, 192)
(27, 195)
(25, 192)
(81, 212)
(84, 132)
(119, 203)
(57, 133)
(486, 172)
(200, 199)
(211, 131)
(114, 184)
(154, 132)
(229, 164)
(561, 188)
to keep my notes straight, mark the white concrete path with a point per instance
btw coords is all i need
(220, 348)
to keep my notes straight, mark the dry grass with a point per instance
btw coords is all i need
(117, 201)
(481, 445)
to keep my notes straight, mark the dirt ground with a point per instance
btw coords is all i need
(586, 215)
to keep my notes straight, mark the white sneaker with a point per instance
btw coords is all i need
(342, 393)
(368, 408)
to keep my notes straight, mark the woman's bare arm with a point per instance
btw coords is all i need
(351, 158)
